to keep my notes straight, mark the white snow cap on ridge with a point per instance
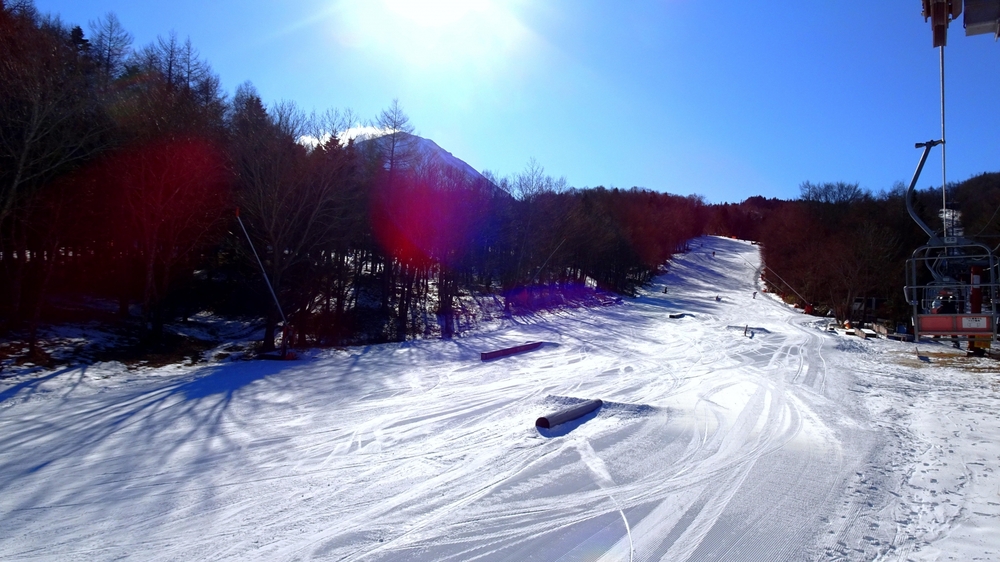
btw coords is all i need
(431, 153)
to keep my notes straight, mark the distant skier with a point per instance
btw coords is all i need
(718, 298)
(755, 294)
(713, 254)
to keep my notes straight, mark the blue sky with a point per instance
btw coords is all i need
(722, 99)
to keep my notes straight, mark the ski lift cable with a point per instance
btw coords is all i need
(263, 271)
(764, 266)
(546, 262)
(981, 231)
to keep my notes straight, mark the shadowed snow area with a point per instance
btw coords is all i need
(786, 443)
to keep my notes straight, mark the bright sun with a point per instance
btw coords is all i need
(434, 35)
(434, 13)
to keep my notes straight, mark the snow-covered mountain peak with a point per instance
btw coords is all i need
(419, 153)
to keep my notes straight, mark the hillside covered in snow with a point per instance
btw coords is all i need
(733, 427)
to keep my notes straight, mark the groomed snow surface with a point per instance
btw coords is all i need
(741, 431)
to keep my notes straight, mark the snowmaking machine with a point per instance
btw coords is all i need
(952, 281)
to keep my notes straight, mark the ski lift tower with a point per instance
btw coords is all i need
(952, 281)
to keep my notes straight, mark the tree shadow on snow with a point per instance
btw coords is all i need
(189, 420)
(225, 380)
(32, 385)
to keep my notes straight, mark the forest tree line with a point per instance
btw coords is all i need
(123, 171)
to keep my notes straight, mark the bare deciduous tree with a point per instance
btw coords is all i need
(110, 47)
(49, 123)
(831, 192)
(287, 195)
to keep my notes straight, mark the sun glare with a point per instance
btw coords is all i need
(434, 35)
(433, 13)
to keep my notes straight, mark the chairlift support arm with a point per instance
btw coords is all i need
(927, 146)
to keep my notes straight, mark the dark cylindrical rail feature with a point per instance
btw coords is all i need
(488, 355)
(571, 413)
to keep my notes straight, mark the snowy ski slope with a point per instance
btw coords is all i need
(741, 431)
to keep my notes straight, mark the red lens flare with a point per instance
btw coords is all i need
(419, 223)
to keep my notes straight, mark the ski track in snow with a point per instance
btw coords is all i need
(787, 443)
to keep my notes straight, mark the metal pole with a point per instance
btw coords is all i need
(284, 322)
(944, 182)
